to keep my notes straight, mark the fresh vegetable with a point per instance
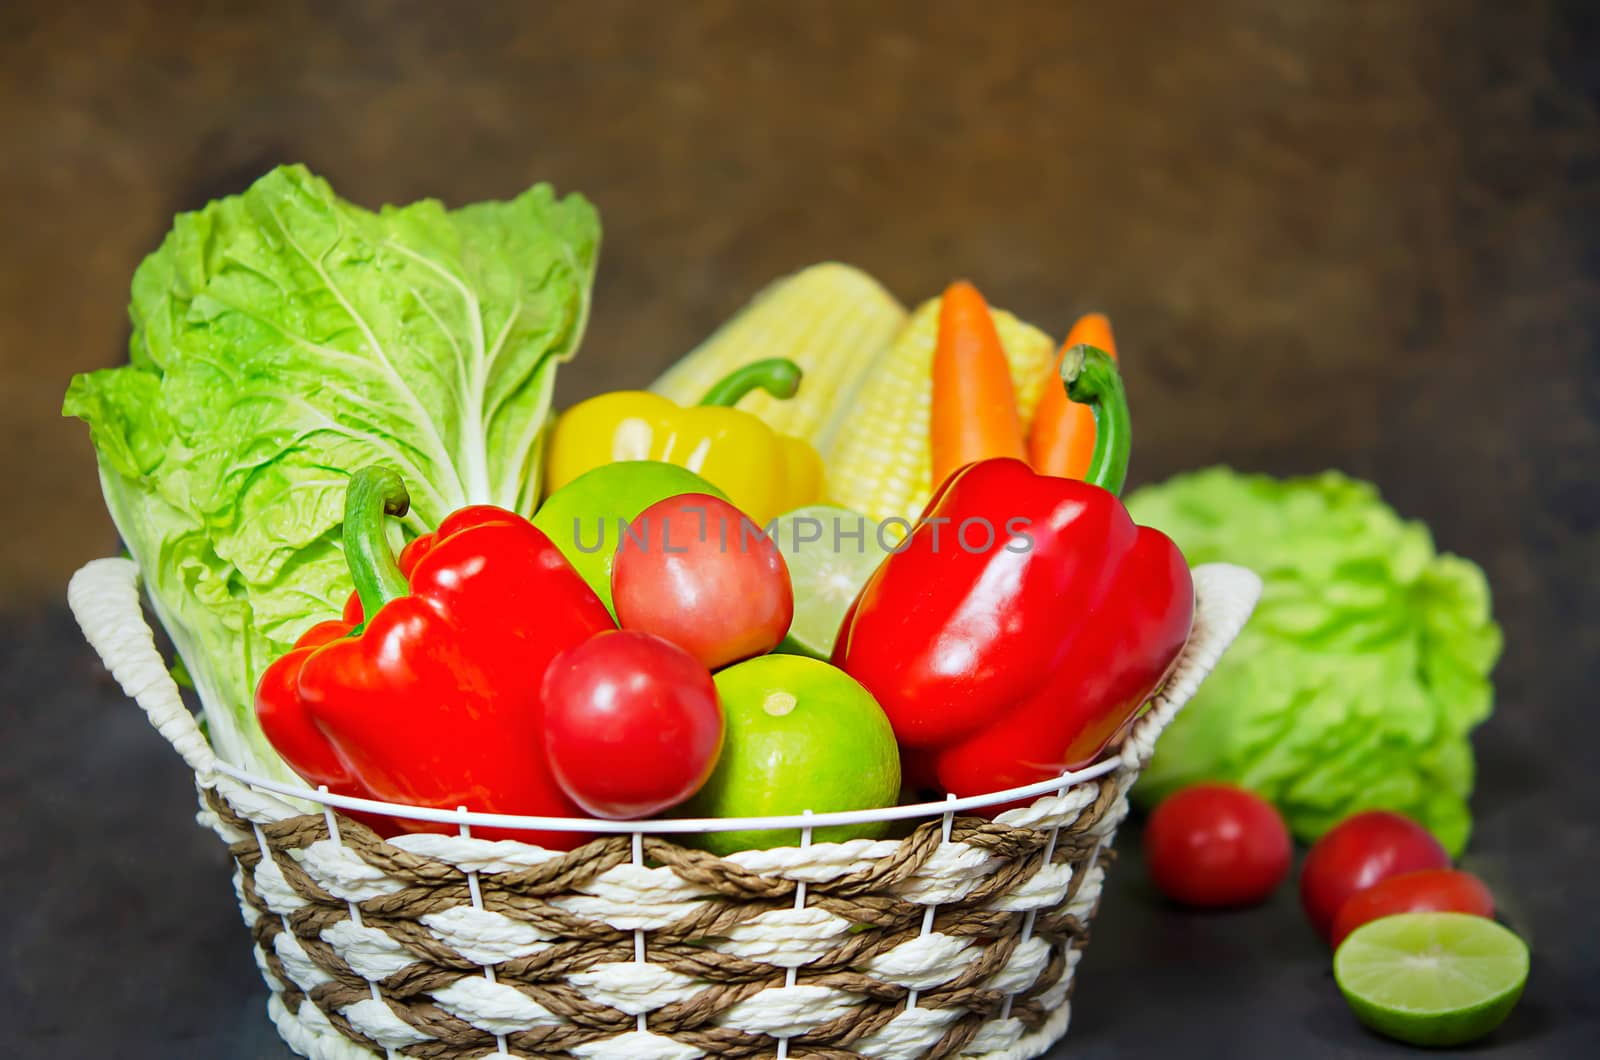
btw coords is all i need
(1061, 437)
(1430, 890)
(288, 725)
(881, 463)
(1363, 671)
(587, 517)
(762, 472)
(414, 550)
(830, 552)
(832, 320)
(800, 736)
(1361, 851)
(1432, 979)
(1216, 846)
(1027, 619)
(632, 724)
(974, 414)
(435, 700)
(284, 336)
(696, 571)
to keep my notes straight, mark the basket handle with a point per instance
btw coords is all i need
(104, 597)
(1225, 596)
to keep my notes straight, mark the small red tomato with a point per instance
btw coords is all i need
(1215, 846)
(1358, 852)
(696, 570)
(1427, 891)
(632, 724)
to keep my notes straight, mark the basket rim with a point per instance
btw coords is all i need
(805, 821)
(104, 597)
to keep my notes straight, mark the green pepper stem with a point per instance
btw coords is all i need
(778, 376)
(375, 492)
(1092, 379)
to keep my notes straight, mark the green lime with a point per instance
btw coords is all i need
(584, 518)
(800, 735)
(1432, 978)
(831, 552)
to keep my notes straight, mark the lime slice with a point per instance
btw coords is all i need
(1432, 978)
(831, 552)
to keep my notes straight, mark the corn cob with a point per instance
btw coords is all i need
(830, 319)
(880, 463)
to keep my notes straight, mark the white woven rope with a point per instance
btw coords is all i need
(313, 1037)
(634, 897)
(104, 597)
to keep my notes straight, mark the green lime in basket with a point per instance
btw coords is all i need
(1432, 978)
(801, 735)
(831, 552)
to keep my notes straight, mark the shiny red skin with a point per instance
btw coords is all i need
(632, 724)
(1357, 853)
(696, 570)
(286, 725)
(1216, 846)
(1427, 891)
(1004, 665)
(437, 701)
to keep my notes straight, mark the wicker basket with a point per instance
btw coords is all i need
(958, 940)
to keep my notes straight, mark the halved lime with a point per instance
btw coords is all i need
(1432, 978)
(831, 552)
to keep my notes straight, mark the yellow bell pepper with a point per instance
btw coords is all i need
(764, 473)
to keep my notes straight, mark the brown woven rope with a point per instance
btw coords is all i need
(867, 899)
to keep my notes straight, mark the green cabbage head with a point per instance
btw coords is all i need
(1363, 671)
(283, 339)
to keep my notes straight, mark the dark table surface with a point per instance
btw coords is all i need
(1363, 236)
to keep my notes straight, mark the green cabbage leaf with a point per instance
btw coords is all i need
(284, 338)
(1363, 671)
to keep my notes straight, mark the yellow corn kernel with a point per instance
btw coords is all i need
(880, 463)
(832, 320)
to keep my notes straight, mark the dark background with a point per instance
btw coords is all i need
(1330, 234)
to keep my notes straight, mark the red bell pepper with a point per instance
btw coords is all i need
(1026, 620)
(435, 699)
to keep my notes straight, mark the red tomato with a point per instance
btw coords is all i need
(1427, 891)
(1215, 846)
(632, 724)
(696, 570)
(1358, 852)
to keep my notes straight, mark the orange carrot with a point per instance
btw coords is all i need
(974, 406)
(1061, 439)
